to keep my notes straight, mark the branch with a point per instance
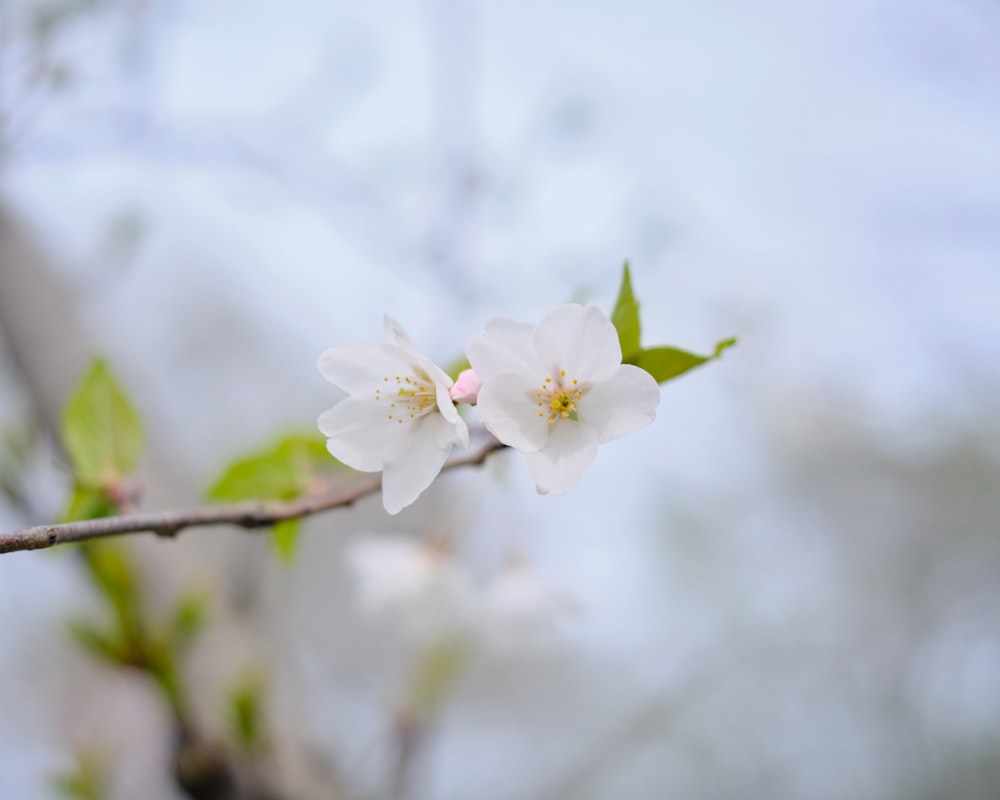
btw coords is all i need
(244, 515)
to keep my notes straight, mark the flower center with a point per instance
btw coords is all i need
(558, 398)
(407, 398)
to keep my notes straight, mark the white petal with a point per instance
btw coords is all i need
(362, 367)
(436, 374)
(571, 448)
(518, 612)
(406, 478)
(459, 430)
(360, 434)
(582, 341)
(445, 404)
(508, 407)
(394, 331)
(389, 569)
(621, 405)
(506, 346)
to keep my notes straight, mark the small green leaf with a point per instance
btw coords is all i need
(189, 616)
(87, 503)
(100, 644)
(269, 476)
(246, 716)
(290, 467)
(308, 458)
(101, 430)
(113, 572)
(667, 363)
(435, 674)
(626, 316)
(87, 779)
(159, 659)
(285, 537)
(282, 471)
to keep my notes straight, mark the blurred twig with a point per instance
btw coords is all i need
(243, 515)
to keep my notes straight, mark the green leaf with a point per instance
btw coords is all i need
(269, 476)
(626, 316)
(285, 537)
(86, 780)
(100, 644)
(290, 467)
(189, 616)
(111, 568)
(434, 675)
(159, 659)
(246, 717)
(101, 430)
(87, 503)
(284, 470)
(309, 459)
(667, 363)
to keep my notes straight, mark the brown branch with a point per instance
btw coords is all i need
(244, 515)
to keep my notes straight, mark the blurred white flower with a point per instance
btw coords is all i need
(420, 586)
(557, 391)
(399, 416)
(518, 613)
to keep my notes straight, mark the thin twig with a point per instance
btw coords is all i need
(243, 515)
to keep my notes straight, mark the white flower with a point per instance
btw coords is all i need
(421, 587)
(519, 613)
(557, 391)
(398, 417)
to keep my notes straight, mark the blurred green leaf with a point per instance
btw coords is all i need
(309, 459)
(435, 674)
(284, 470)
(667, 363)
(87, 503)
(86, 780)
(246, 715)
(269, 476)
(101, 430)
(111, 569)
(285, 537)
(189, 616)
(159, 659)
(626, 316)
(101, 644)
(288, 468)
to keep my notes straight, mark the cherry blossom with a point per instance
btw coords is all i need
(518, 612)
(398, 416)
(417, 584)
(558, 390)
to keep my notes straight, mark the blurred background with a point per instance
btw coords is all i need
(788, 586)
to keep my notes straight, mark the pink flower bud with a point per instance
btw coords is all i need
(466, 388)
